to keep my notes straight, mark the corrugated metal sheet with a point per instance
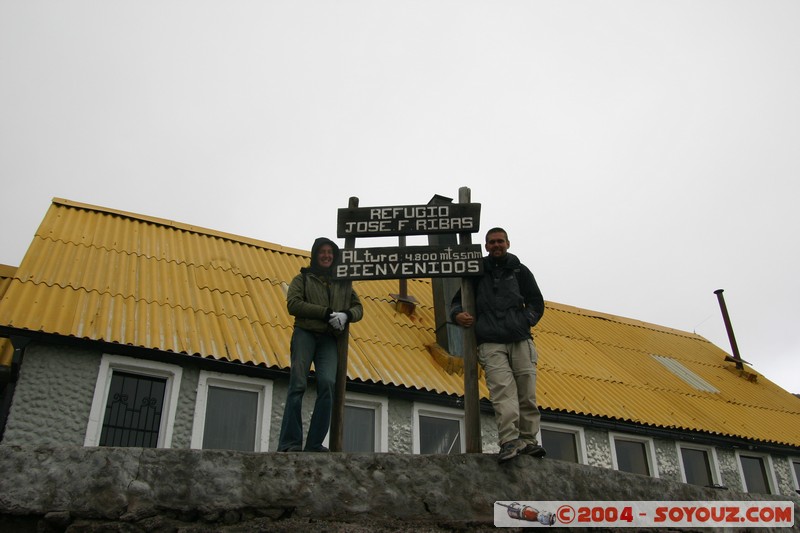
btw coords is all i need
(102, 274)
(596, 364)
(6, 350)
(6, 353)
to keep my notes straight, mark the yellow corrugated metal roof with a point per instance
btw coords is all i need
(109, 275)
(6, 350)
(598, 364)
(102, 274)
(6, 353)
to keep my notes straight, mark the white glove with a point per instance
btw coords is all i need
(337, 321)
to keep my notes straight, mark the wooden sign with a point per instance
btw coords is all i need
(408, 220)
(410, 262)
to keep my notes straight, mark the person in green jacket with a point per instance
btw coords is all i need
(321, 306)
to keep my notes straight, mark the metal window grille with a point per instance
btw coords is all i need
(133, 411)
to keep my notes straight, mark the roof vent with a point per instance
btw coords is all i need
(729, 328)
(685, 374)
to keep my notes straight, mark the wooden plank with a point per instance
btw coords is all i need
(336, 438)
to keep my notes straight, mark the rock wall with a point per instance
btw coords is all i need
(133, 489)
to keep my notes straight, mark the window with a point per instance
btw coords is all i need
(134, 403)
(698, 465)
(633, 454)
(366, 423)
(231, 413)
(133, 411)
(359, 429)
(796, 473)
(756, 472)
(565, 443)
(439, 435)
(438, 429)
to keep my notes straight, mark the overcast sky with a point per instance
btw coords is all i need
(641, 154)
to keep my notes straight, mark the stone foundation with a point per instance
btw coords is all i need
(81, 489)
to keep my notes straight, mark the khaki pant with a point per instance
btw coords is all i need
(511, 378)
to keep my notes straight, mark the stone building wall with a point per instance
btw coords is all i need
(598, 448)
(667, 456)
(52, 397)
(56, 386)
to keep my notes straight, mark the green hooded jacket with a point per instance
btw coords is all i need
(313, 295)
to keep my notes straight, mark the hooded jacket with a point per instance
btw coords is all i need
(508, 302)
(313, 295)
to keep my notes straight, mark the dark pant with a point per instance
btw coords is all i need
(306, 348)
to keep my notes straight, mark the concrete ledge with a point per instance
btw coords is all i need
(146, 489)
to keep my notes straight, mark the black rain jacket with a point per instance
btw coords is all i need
(508, 302)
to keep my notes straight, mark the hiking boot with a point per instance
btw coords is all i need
(533, 449)
(509, 450)
(318, 449)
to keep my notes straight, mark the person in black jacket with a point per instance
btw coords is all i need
(508, 303)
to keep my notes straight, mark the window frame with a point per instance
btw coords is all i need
(435, 411)
(772, 481)
(577, 431)
(380, 406)
(795, 477)
(263, 387)
(109, 363)
(649, 449)
(713, 462)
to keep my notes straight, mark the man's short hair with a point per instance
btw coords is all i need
(496, 230)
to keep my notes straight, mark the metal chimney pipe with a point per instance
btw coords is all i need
(729, 328)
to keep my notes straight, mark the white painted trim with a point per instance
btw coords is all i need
(580, 441)
(231, 381)
(108, 364)
(435, 411)
(713, 462)
(772, 481)
(649, 448)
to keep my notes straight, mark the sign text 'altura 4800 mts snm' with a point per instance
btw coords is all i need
(410, 262)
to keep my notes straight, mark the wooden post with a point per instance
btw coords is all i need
(403, 282)
(404, 303)
(472, 424)
(335, 441)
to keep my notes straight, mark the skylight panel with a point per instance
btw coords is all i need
(685, 374)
